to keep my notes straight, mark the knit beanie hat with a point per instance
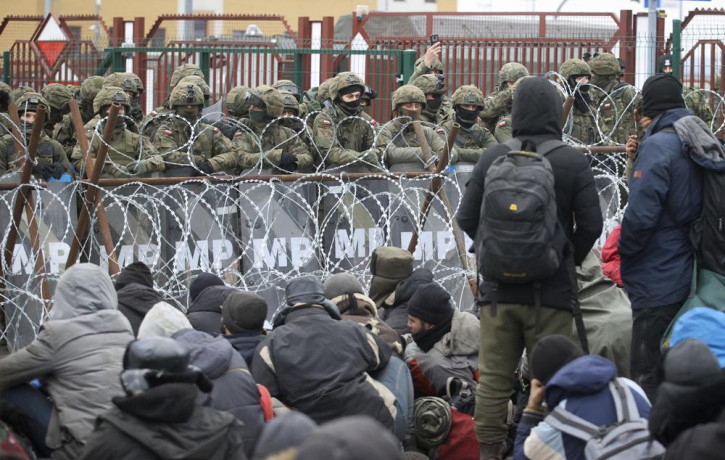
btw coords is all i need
(201, 282)
(305, 289)
(244, 311)
(660, 93)
(431, 303)
(342, 283)
(550, 354)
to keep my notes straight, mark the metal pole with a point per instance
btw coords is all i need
(677, 48)
(6, 67)
(652, 37)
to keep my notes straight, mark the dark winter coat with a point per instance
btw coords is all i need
(165, 422)
(205, 312)
(657, 255)
(320, 366)
(538, 119)
(135, 300)
(360, 309)
(234, 388)
(245, 343)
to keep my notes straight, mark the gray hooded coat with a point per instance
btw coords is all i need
(78, 354)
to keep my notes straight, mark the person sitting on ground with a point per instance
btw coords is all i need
(346, 291)
(445, 344)
(234, 388)
(78, 355)
(395, 313)
(243, 316)
(205, 312)
(162, 320)
(314, 363)
(283, 435)
(158, 416)
(566, 379)
(349, 438)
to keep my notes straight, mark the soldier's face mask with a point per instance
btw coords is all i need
(433, 102)
(136, 112)
(189, 112)
(258, 115)
(466, 117)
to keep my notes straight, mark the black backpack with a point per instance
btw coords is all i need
(519, 238)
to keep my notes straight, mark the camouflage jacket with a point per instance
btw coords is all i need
(495, 106)
(339, 139)
(275, 141)
(172, 142)
(470, 143)
(614, 111)
(49, 151)
(397, 143)
(125, 147)
(151, 122)
(699, 104)
(581, 127)
(6, 126)
(502, 130)
(65, 134)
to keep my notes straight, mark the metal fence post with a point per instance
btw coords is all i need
(677, 49)
(118, 63)
(6, 67)
(408, 65)
(204, 64)
(299, 74)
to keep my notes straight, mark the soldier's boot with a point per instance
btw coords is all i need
(491, 450)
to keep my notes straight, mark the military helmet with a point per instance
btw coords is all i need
(185, 70)
(269, 98)
(574, 68)
(107, 96)
(511, 71)
(468, 95)
(90, 87)
(289, 86)
(408, 93)
(57, 95)
(189, 94)
(346, 82)
(429, 84)
(437, 65)
(121, 80)
(198, 81)
(29, 102)
(74, 89)
(137, 80)
(236, 101)
(290, 102)
(5, 88)
(605, 64)
(324, 92)
(19, 91)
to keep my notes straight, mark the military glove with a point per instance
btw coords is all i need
(370, 158)
(288, 162)
(204, 168)
(137, 167)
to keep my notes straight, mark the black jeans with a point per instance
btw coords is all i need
(649, 325)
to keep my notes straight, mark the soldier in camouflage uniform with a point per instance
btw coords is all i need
(290, 115)
(694, 99)
(281, 147)
(5, 123)
(173, 135)
(342, 133)
(237, 105)
(58, 97)
(613, 100)
(128, 152)
(130, 83)
(289, 86)
(63, 131)
(497, 105)
(19, 91)
(581, 125)
(397, 143)
(51, 159)
(430, 63)
(438, 108)
(472, 138)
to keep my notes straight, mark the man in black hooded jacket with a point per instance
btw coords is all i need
(536, 114)
(136, 293)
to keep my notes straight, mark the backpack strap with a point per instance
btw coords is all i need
(624, 402)
(573, 425)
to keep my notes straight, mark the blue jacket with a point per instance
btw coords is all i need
(657, 256)
(581, 387)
